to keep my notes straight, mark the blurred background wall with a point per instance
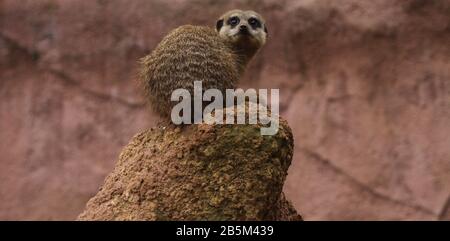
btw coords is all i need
(365, 86)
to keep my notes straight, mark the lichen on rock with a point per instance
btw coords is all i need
(198, 172)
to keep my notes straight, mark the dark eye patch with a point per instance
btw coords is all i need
(255, 23)
(233, 21)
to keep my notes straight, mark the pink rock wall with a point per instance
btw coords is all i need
(365, 86)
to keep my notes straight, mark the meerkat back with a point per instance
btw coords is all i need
(187, 54)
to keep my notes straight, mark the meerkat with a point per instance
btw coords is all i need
(216, 56)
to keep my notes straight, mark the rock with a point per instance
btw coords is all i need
(201, 172)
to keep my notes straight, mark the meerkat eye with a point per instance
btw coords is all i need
(255, 23)
(233, 21)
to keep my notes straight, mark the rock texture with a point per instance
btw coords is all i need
(365, 86)
(198, 172)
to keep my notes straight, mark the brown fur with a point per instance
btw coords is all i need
(188, 54)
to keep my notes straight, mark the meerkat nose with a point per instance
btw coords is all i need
(243, 29)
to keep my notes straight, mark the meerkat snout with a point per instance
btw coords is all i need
(246, 30)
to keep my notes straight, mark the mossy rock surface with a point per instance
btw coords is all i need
(198, 172)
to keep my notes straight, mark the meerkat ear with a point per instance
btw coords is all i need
(219, 24)
(265, 30)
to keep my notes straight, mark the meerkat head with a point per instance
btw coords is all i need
(246, 30)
